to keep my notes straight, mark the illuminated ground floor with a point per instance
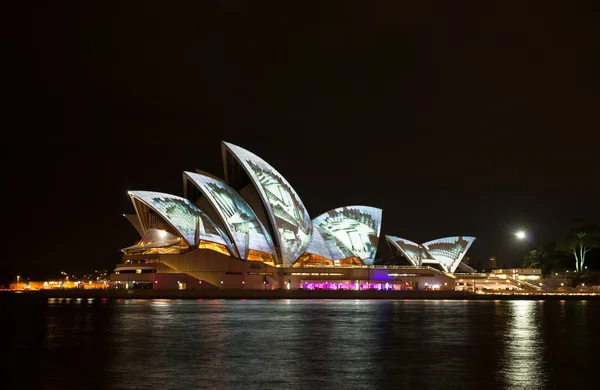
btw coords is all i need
(365, 285)
(203, 268)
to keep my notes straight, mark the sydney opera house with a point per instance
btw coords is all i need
(251, 230)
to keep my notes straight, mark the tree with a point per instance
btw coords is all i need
(544, 257)
(533, 259)
(579, 240)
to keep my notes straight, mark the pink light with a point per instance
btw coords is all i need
(200, 281)
(156, 281)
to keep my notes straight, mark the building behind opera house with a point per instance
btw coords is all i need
(250, 230)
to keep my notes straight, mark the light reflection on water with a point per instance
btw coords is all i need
(522, 363)
(275, 344)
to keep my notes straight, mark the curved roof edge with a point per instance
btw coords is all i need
(135, 222)
(204, 173)
(183, 216)
(287, 214)
(462, 247)
(318, 246)
(243, 226)
(410, 256)
(462, 267)
(343, 226)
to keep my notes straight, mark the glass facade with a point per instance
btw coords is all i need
(157, 241)
(449, 251)
(185, 218)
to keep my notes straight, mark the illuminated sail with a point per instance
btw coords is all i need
(287, 214)
(247, 232)
(351, 231)
(413, 252)
(188, 221)
(449, 251)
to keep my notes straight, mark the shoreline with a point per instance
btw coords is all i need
(299, 294)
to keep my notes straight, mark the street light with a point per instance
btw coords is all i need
(521, 236)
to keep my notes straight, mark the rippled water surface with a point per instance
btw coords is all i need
(299, 344)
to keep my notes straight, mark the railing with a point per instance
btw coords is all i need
(517, 281)
(524, 283)
(466, 275)
(415, 267)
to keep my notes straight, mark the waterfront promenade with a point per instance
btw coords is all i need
(300, 294)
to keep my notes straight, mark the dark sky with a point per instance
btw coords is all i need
(476, 118)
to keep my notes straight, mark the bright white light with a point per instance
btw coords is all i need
(521, 235)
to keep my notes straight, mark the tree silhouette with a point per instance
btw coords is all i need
(579, 240)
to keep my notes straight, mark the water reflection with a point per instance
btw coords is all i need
(172, 342)
(276, 344)
(522, 363)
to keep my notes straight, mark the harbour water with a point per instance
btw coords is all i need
(60, 343)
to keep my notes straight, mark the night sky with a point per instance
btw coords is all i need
(478, 118)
